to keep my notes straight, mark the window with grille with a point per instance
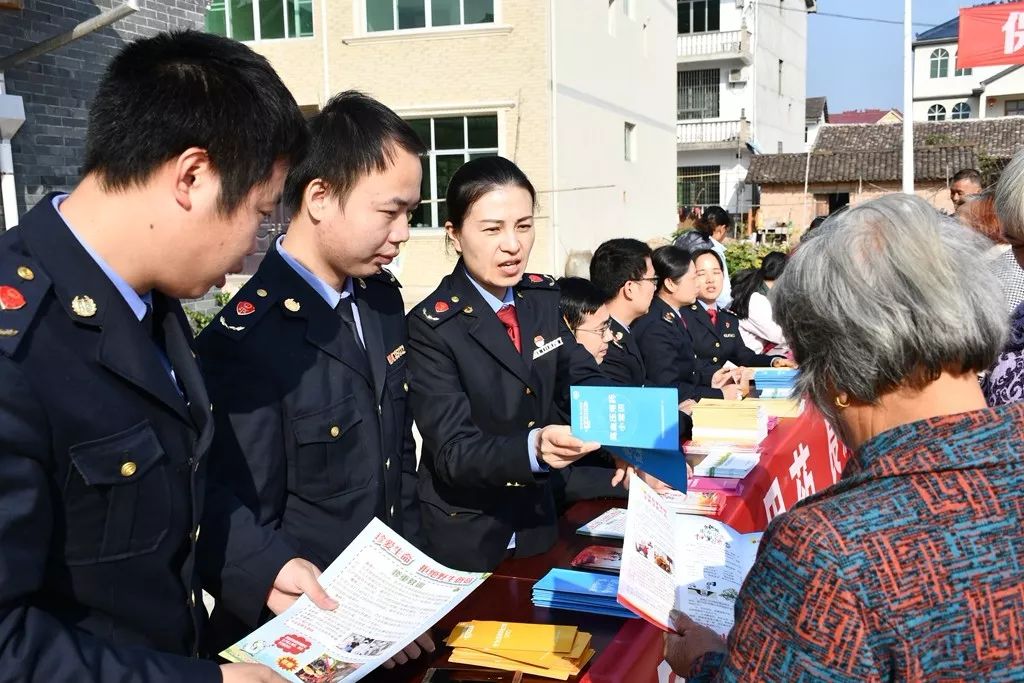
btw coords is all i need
(936, 112)
(260, 19)
(391, 15)
(961, 110)
(939, 63)
(1014, 107)
(698, 94)
(698, 16)
(451, 141)
(698, 185)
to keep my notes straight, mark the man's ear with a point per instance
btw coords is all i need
(193, 174)
(316, 199)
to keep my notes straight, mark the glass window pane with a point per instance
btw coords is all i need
(479, 11)
(242, 27)
(216, 19)
(446, 166)
(700, 14)
(300, 18)
(444, 12)
(483, 131)
(271, 19)
(422, 128)
(683, 19)
(442, 213)
(412, 14)
(421, 217)
(380, 15)
(481, 155)
(713, 16)
(425, 182)
(448, 133)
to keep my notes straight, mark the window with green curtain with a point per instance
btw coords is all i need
(271, 19)
(216, 18)
(478, 11)
(380, 15)
(242, 27)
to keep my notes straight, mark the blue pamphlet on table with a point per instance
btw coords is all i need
(638, 424)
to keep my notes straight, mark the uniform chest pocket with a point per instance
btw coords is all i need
(329, 458)
(117, 497)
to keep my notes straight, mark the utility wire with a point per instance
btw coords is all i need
(833, 15)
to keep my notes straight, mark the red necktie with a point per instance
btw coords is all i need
(508, 317)
(713, 314)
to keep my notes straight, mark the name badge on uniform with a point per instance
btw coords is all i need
(396, 354)
(550, 346)
(729, 335)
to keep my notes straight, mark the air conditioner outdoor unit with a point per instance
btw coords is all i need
(737, 76)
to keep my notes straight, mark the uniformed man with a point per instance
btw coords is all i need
(306, 364)
(622, 270)
(105, 425)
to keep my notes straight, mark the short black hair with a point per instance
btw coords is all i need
(578, 298)
(711, 218)
(476, 178)
(616, 262)
(815, 224)
(670, 263)
(971, 174)
(352, 136)
(164, 94)
(701, 252)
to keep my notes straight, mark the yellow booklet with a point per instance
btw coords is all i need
(464, 656)
(549, 660)
(503, 635)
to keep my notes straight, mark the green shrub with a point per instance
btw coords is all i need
(742, 255)
(200, 319)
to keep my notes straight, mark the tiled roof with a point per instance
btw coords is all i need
(873, 153)
(816, 106)
(858, 116)
(948, 31)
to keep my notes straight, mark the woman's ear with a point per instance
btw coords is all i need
(452, 236)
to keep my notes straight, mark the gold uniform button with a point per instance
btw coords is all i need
(25, 273)
(387, 464)
(405, 385)
(530, 423)
(128, 469)
(261, 292)
(715, 359)
(455, 299)
(717, 345)
(529, 391)
(335, 431)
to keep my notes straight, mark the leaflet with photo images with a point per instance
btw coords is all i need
(670, 561)
(389, 593)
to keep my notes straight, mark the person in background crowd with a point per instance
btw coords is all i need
(815, 224)
(489, 354)
(709, 233)
(105, 423)
(1004, 382)
(978, 212)
(621, 270)
(306, 364)
(890, 575)
(662, 336)
(750, 304)
(714, 330)
(1009, 267)
(584, 310)
(965, 183)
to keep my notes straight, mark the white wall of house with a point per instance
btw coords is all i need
(780, 75)
(946, 91)
(613, 64)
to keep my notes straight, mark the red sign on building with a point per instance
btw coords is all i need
(991, 35)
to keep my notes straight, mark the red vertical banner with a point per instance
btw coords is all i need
(991, 35)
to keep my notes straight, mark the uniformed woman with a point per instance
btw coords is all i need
(488, 354)
(715, 331)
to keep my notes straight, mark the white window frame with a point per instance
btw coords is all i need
(956, 113)
(629, 141)
(363, 29)
(465, 151)
(937, 112)
(257, 38)
(940, 56)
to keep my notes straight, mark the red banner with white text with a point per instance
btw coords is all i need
(991, 35)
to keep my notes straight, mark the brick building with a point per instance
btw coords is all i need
(58, 86)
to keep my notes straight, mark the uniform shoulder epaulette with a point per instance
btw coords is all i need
(538, 281)
(385, 277)
(244, 310)
(440, 307)
(23, 285)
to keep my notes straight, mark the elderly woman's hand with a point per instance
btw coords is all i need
(690, 642)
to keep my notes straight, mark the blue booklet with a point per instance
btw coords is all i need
(638, 424)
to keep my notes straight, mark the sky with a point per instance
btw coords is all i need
(858, 64)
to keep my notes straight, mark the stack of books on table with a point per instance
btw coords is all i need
(580, 592)
(725, 461)
(538, 649)
(775, 382)
(732, 423)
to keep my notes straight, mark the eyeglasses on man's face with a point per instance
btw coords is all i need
(600, 330)
(652, 280)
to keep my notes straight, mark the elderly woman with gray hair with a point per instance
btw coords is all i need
(911, 567)
(1009, 205)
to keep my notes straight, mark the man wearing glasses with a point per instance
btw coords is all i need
(622, 270)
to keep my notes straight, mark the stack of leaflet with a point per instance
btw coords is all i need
(734, 423)
(694, 502)
(580, 592)
(727, 462)
(775, 382)
(609, 524)
(539, 649)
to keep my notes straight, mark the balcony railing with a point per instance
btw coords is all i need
(712, 133)
(713, 45)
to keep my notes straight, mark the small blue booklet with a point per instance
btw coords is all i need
(638, 424)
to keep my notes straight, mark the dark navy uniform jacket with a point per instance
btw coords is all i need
(667, 349)
(624, 363)
(313, 432)
(476, 400)
(105, 516)
(716, 344)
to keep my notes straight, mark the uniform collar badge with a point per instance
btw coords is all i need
(10, 298)
(244, 308)
(83, 306)
(440, 307)
(292, 305)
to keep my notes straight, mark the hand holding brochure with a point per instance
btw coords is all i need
(638, 424)
(388, 592)
(670, 561)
